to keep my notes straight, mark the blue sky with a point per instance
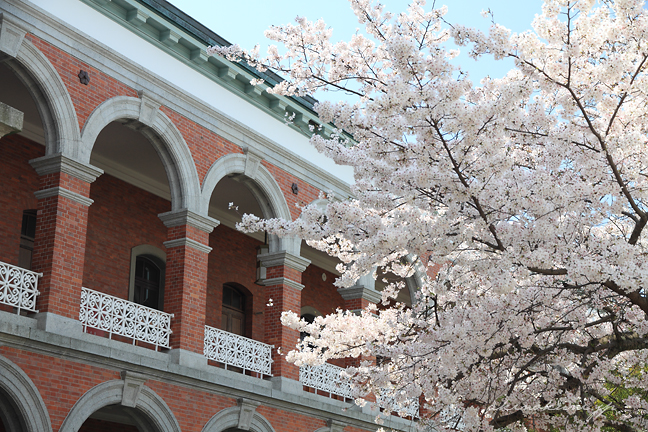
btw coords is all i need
(244, 21)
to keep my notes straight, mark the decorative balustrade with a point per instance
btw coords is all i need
(326, 377)
(409, 408)
(237, 351)
(122, 317)
(18, 287)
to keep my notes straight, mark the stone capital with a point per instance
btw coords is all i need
(58, 163)
(283, 258)
(360, 292)
(188, 217)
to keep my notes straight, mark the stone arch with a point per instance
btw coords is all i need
(160, 132)
(261, 184)
(229, 419)
(46, 87)
(30, 413)
(159, 415)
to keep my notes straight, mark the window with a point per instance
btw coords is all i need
(27, 236)
(233, 319)
(148, 282)
(147, 276)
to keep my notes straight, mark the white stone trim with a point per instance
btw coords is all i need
(229, 419)
(11, 36)
(252, 161)
(133, 383)
(281, 281)
(111, 393)
(187, 217)
(283, 258)
(51, 164)
(187, 242)
(163, 135)
(357, 292)
(21, 390)
(66, 193)
(149, 107)
(247, 410)
(11, 120)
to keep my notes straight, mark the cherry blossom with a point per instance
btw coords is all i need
(525, 199)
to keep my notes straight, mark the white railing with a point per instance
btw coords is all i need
(409, 408)
(238, 351)
(18, 287)
(121, 317)
(326, 377)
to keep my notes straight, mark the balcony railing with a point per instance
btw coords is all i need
(238, 351)
(120, 317)
(409, 409)
(326, 377)
(18, 287)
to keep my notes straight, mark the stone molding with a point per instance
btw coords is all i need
(11, 120)
(189, 243)
(66, 193)
(248, 408)
(335, 426)
(360, 292)
(281, 281)
(149, 107)
(283, 258)
(133, 383)
(17, 385)
(230, 418)
(252, 161)
(187, 217)
(11, 36)
(59, 163)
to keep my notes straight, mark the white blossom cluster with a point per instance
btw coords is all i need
(525, 197)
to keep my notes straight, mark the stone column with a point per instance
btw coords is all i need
(59, 248)
(185, 291)
(283, 273)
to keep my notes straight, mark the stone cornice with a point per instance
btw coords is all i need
(58, 163)
(123, 69)
(283, 258)
(59, 191)
(187, 217)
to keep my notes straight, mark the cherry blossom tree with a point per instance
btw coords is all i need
(523, 198)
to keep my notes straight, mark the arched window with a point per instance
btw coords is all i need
(148, 282)
(27, 237)
(147, 276)
(233, 310)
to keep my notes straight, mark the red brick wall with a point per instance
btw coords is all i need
(62, 382)
(319, 294)
(121, 217)
(84, 97)
(233, 260)
(18, 182)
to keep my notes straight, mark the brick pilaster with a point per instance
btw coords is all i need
(186, 277)
(283, 273)
(62, 223)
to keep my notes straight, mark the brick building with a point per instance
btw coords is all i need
(128, 301)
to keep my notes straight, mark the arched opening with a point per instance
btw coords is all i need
(118, 418)
(232, 268)
(19, 179)
(128, 197)
(10, 418)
